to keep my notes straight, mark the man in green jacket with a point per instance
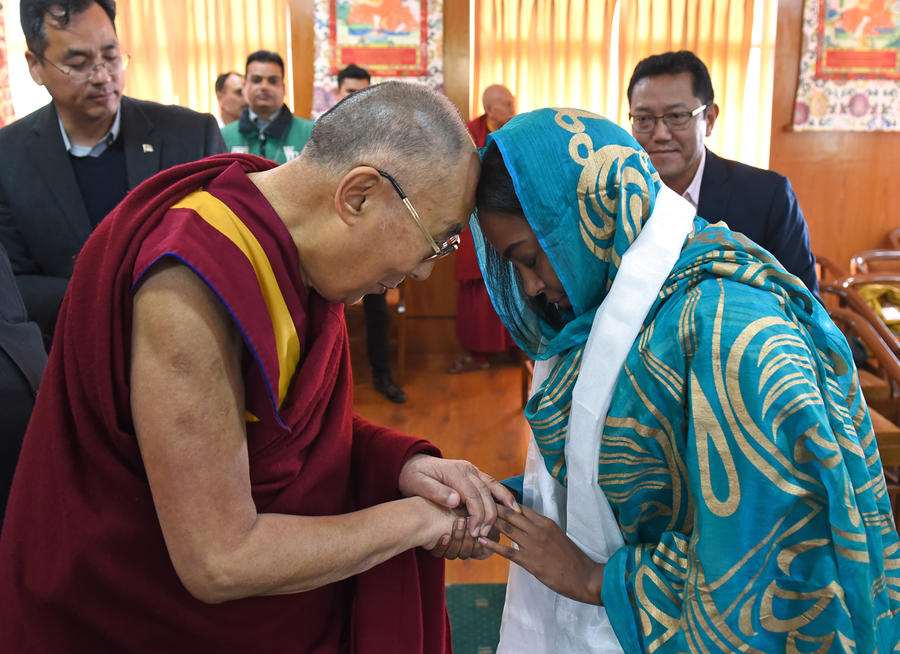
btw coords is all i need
(266, 127)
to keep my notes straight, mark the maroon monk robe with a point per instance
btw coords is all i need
(478, 128)
(83, 564)
(478, 327)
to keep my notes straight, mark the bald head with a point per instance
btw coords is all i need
(406, 126)
(499, 105)
(387, 178)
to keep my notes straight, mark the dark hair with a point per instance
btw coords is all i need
(673, 63)
(221, 79)
(495, 190)
(33, 12)
(265, 56)
(352, 72)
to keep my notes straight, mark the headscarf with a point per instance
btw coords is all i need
(586, 188)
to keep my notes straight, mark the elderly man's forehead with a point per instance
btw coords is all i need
(451, 191)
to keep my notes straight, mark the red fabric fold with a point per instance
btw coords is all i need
(83, 565)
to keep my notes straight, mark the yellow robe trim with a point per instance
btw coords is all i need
(223, 219)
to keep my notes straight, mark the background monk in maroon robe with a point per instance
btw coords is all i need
(193, 478)
(478, 328)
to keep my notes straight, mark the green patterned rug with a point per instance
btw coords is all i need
(475, 611)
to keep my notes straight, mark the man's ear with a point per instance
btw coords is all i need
(354, 190)
(35, 68)
(712, 112)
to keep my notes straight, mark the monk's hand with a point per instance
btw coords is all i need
(459, 544)
(453, 483)
(542, 548)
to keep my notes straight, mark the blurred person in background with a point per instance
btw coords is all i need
(266, 126)
(478, 329)
(230, 96)
(351, 79)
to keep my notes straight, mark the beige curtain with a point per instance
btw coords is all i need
(547, 53)
(722, 34)
(178, 48)
(581, 53)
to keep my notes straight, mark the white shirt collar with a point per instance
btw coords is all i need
(100, 146)
(692, 192)
(260, 122)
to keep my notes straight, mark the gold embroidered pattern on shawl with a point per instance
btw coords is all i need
(782, 353)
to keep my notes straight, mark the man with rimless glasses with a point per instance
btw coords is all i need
(672, 111)
(66, 165)
(193, 477)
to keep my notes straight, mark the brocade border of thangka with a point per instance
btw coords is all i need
(324, 82)
(849, 66)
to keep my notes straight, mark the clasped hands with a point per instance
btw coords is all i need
(469, 497)
(466, 497)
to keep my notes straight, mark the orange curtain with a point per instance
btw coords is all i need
(581, 54)
(547, 53)
(179, 48)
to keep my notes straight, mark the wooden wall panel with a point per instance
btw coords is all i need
(303, 54)
(456, 54)
(846, 181)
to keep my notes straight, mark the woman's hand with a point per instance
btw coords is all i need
(450, 482)
(543, 549)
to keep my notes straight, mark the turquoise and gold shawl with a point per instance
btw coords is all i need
(737, 454)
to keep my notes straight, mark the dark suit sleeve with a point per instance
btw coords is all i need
(787, 229)
(41, 293)
(19, 338)
(214, 142)
(22, 360)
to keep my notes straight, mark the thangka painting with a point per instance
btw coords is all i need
(389, 38)
(386, 37)
(849, 66)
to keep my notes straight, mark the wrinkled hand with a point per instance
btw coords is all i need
(457, 544)
(451, 482)
(543, 549)
(461, 544)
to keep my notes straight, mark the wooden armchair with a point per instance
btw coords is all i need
(894, 238)
(883, 362)
(883, 401)
(847, 290)
(874, 261)
(829, 271)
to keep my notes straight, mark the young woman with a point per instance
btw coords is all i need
(703, 474)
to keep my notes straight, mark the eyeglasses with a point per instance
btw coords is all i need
(675, 121)
(83, 72)
(450, 245)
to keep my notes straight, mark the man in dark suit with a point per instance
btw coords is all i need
(22, 360)
(670, 97)
(65, 166)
